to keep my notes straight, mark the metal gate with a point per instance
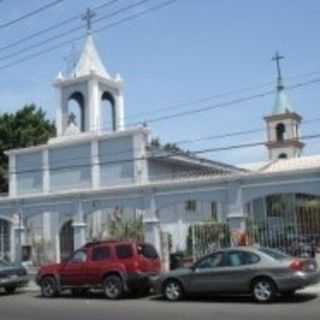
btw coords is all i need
(291, 223)
(207, 237)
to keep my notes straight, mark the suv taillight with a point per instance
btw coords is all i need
(296, 265)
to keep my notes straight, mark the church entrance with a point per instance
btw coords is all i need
(4, 239)
(66, 240)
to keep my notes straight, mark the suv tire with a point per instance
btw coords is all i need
(49, 288)
(10, 290)
(113, 287)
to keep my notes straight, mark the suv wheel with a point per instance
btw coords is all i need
(172, 290)
(10, 290)
(113, 287)
(264, 290)
(49, 287)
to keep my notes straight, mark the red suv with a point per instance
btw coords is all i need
(117, 267)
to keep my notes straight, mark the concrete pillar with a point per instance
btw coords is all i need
(152, 231)
(80, 227)
(12, 176)
(119, 108)
(59, 112)
(95, 168)
(236, 216)
(19, 239)
(45, 167)
(93, 106)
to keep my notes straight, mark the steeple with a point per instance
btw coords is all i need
(283, 124)
(89, 84)
(90, 61)
(281, 104)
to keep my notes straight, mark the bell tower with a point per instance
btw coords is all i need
(283, 134)
(88, 84)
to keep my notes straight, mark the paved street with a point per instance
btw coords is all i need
(29, 306)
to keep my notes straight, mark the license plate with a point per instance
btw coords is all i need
(13, 277)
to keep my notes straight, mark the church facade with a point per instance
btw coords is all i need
(70, 190)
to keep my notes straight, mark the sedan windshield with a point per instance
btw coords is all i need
(275, 254)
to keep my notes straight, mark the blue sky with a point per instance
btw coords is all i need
(189, 50)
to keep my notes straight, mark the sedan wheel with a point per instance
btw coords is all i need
(172, 290)
(264, 290)
(113, 287)
(49, 287)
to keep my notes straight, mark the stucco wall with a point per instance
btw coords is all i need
(29, 173)
(70, 167)
(116, 161)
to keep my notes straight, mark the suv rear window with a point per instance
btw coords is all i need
(147, 251)
(124, 251)
(101, 253)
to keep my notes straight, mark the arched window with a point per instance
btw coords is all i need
(280, 131)
(108, 118)
(283, 156)
(76, 107)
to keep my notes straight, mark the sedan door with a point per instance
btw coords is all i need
(208, 274)
(239, 270)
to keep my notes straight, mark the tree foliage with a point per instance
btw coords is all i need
(27, 127)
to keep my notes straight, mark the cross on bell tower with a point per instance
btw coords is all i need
(277, 57)
(87, 17)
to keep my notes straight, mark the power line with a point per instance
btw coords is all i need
(223, 104)
(31, 13)
(68, 32)
(166, 156)
(53, 27)
(108, 26)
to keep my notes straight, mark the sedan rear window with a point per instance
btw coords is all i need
(275, 254)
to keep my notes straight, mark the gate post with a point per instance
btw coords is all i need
(79, 227)
(151, 223)
(236, 217)
(19, 239)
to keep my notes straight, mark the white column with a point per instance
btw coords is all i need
(152, 231)
(19, 236)
(12, 176)
(235, 212)
(59, 112)
(79, 226)
(93, 107)
(45, 167)
(119, 110)
(95, 165)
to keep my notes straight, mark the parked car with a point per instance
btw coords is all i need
(12, 277)
(261, 272)
(117, 267)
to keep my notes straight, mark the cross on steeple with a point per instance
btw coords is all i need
(277, 59)
(87, 17)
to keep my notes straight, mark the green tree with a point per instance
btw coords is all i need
(27, 127)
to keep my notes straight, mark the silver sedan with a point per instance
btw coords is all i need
(262, 272)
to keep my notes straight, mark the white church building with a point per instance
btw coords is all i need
(64, 193)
